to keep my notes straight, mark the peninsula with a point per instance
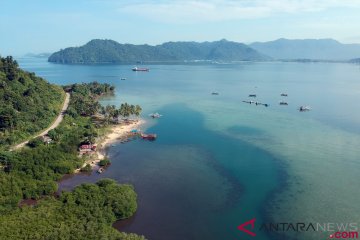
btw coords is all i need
(30, 172)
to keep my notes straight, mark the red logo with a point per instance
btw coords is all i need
(242, 227)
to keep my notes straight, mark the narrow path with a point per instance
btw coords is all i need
(54, 125)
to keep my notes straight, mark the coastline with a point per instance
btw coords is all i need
(116, 133)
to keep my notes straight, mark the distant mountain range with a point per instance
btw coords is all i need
(316, 49)
(355, 60)
(38, 55)
(109, 51)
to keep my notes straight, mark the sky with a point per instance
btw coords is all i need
(39, 26)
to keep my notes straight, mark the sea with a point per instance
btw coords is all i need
(222, 168)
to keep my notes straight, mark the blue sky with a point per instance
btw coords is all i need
(47, 26)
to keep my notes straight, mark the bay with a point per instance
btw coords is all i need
(219, 162)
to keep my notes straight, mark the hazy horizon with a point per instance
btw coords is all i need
(43, 26)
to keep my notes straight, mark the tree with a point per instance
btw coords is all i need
(126, 110)
(54, 135)
(138, 110)
(72, 112)
(8, 118)
(36, 142)
(87, 168)
(104, 162)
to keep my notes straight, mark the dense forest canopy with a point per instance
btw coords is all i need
(28, 103)
(85, 213)
(109, 51)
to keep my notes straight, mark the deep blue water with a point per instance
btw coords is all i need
(203, 191)
(219, 162)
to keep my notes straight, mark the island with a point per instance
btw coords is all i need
(109, 51)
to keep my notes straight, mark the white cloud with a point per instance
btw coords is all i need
(188, 11)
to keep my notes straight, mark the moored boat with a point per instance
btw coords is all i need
(136, 69)
(304, 108)
(155, 115)
(150, 137)
(283, 103)
(284, 94)
(252, 95)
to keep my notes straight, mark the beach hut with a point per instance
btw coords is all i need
(86, 148)
(46, 139)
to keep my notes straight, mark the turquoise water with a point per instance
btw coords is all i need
(219, 162)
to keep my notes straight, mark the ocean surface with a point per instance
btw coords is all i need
(219, 162)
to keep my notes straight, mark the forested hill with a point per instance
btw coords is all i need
(109, 51)
(28, 103)
(317, 49)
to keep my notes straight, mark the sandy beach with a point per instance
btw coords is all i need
(117, 132)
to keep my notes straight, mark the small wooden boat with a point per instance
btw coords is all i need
(283, 103)
(284, 95)
(150, 137)
(252, 95)
(304, 108)
(155, 115)
(214, 93)
(136, 69)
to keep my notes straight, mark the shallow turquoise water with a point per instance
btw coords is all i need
(219, 162)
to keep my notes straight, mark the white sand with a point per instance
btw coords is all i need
(117, 132)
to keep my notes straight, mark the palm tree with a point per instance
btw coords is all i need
(138, 110)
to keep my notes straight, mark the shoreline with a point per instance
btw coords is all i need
(116, 133)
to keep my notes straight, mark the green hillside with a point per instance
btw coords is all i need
(28, 103)
(109, 51)
(31, 173)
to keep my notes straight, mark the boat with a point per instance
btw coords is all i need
(283, 103)
(252, 95)
(214, 93)
(304, 108)
(136, 69)
(284, 95)
(123, 79)
(155, 115)
(150, 137)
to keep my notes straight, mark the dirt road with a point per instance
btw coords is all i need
(53, 125)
